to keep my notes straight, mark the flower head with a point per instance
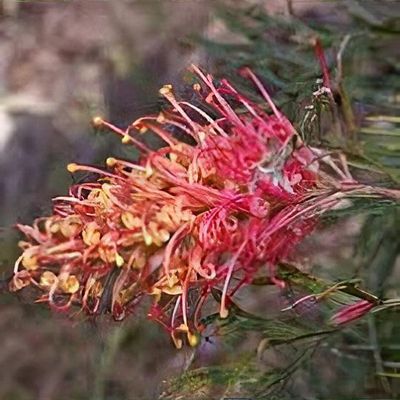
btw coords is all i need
(209, 211)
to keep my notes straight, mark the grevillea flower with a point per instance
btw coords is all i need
(211, 211)
(352, 312)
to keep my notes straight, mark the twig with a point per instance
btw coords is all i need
(319, 53)
(339, 56)
(373, 337)
(289, 8)
(347, 110)
(106, 358)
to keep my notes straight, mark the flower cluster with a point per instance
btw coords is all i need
(233, 197)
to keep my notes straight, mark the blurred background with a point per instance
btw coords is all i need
(63, 62)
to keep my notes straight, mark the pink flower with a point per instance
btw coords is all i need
(185, 219)
(351, 312)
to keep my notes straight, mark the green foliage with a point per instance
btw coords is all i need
(360, 45)
(294, 337)
(242, 379)
(358, 120)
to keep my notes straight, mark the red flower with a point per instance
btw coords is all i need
(185, 219)
(351, 312)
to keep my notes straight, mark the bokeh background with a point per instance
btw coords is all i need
(62, 63)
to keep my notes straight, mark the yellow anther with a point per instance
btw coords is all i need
(125, 139)
(173, 157)
(202, 136)
(72, 167)
(70, 285)
(97, 121)
(149, 171)
(172, 280)
(54, 228)
(143, 129)
(166, 89)
(223, 313)
(164, 235)
(193, 339)
(197, 87)
(183, 328)
(48, 279)
(119, 261)
(91, 235)
(70, 227)
(161, 118)
(30, 263)
(175, 291)
(111, 161)
(148, 240)
(130, 221)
